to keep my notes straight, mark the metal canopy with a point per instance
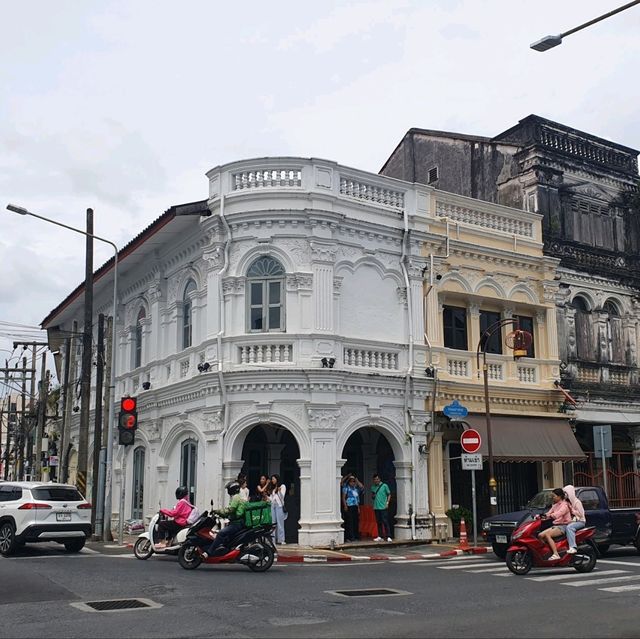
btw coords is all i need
(528, 439)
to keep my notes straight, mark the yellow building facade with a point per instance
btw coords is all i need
(485, 265)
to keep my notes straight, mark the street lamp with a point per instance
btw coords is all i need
(550, 41)
(519, 341)
(103, 507)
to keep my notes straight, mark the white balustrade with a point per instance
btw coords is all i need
(266, 178)
(484, 219)
(527, 374)
(589, 375)
(495, 372)
(184, 367)
(458, 367)
(265, 353)
(360, 190)
(369, 358)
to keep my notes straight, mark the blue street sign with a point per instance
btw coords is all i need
(455, 410)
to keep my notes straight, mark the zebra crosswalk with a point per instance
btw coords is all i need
(614, 577)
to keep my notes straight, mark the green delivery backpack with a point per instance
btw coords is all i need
(257, 514)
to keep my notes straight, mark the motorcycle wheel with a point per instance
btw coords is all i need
(142, 548)
(519, 561)
(266, 557)
(587, 564)
(188, 557)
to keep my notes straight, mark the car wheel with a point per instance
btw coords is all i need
(636, 543)
(7, 539)
(74, 545)
(499, 550)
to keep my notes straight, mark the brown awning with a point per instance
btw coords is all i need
(528, 439)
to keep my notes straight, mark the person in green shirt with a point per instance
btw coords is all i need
(381, 497)
(234, 512)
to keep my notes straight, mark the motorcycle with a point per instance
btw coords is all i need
(147, 542)
(251, 547)
(527, 550)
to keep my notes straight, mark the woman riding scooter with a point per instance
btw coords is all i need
(179, 514)
(560, 514)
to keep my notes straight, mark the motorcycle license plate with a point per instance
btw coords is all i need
(63, 516)
(501, 539)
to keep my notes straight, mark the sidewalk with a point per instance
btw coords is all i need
(360, 551)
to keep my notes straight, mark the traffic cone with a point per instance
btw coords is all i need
(464, 542)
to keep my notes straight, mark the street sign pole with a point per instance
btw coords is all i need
(473, 501)
(604, 462)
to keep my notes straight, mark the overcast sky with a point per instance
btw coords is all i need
(123, 106)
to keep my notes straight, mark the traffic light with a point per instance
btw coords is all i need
(128, 421)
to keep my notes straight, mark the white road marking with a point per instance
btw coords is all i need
(576, 575)
(459, 566)
(597, 582)
(494, 569)
(619, 563)
(621, 588)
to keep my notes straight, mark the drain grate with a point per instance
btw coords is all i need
(369, 592)
(115, 605)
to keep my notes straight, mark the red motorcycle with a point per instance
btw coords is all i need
(527, 551)
(251, 546)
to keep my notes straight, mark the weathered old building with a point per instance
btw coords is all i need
(586, 189)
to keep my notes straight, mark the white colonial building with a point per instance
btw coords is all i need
(276, 327)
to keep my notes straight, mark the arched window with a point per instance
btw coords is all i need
(585, 348)
(615, 342)
(137, 507)
(265, 285)
(188, 467)
(187, 314)
(137, 359)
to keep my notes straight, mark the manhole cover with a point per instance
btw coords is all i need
(369, 592)
(115, 605)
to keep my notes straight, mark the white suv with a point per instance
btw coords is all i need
(32, 511)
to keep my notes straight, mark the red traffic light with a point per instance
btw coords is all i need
(128, 404)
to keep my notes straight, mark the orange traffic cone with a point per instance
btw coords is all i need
(464, 542)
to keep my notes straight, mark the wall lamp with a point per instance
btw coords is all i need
(204, 367)
(146, 385)
(422, 449)
(430, 371)
(328, 363)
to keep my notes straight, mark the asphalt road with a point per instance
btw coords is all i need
(459, 597)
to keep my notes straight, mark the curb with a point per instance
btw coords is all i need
(328, 559)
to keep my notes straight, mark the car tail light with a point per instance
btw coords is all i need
(86, 506)
(34, 506)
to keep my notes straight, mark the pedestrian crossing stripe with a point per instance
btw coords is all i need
(459, 566)
(596, 582)
(575, 575)
(621, 588)
(494, 569)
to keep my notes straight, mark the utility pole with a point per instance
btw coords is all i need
(23, 424)
(97, 430)
(42, 413)
(33, 463)
(68, 405)
(85, 399)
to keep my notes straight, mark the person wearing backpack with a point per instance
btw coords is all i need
(381, 496)
(178, 516)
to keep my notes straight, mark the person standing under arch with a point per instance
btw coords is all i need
(381, 497)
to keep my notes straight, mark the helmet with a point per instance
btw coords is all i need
(233, 488)
(181, 492)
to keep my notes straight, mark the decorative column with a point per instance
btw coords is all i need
(214, 258)
(320, 519)
(323, 257)
(402, 528)
(155, 342)
(211, 480)
(550, 293)
(436, 483)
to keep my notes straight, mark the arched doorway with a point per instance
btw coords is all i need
(366, 452)
(271, 449)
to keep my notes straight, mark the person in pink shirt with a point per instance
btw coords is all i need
(560, 515)
(178, 515)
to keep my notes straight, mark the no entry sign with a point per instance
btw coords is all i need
(470, 441)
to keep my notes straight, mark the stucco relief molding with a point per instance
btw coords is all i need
(233, 285)
(213, 423)
(299, 281)
(214, 257)
(323, 418)
(401, 292)
(323, 252)
(153, 430)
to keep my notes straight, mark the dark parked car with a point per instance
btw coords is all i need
(618, 526)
